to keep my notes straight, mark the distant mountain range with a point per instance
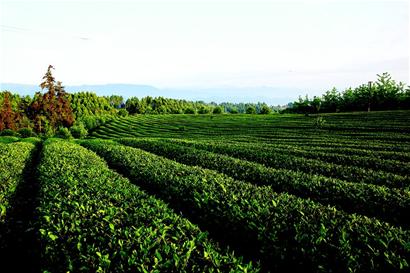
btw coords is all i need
(270, 95)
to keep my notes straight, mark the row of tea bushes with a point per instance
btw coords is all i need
(91, 219)
(388, 204)
(281, 230)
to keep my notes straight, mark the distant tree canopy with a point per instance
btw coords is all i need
(88, 103)
(160, 105)
(116, 101)
(384, 94)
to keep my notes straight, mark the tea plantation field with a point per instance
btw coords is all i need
(211, 193)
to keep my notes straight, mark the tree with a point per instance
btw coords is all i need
(52, 109)
(203, 109)
(217, 110)
(331, 101)
(316, 104)
(7, 116)
(265, 110)
(116, 101)
(251, 110)
(64, 111)
(234, 110)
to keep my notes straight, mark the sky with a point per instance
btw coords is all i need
(309, 45)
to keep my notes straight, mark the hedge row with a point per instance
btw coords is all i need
(367, 162)
(93, 220)
(348, 151)
(388, 204)
(313, 166)
(14, 158)
(283, 231)
(327, 141)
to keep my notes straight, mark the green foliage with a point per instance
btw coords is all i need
(93, 220)
(265, 110)
(92, 122)
(78, 130)
(122, 112)
(160, 105)
(189, 110)
(14, 158)
(8, 139)
(217, 110)
(311, 163)
(26, 132)
(387, 204)
(319, 122)
(64, 133)
(284, 231)
(89, 104)
(234, 110)
(203, 109)
(116, 101)
(251, 110)
(8, 132)
(383, 94)
(32, 140)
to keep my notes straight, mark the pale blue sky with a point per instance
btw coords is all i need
(312, 45)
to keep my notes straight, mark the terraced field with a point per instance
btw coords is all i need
(212, 193)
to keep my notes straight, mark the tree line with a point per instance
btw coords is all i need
(53, 112)
(160, 105)
(383, 94)
(56, 112)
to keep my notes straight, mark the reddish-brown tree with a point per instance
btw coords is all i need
(7, 116)
(53, 108)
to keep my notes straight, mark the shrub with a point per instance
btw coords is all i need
(367, 199)
(234, 110)
(319, 122)
(91, 219)
(281, 230)
(8, 139)
(8, 132)
(79, 130)
(122, 112)
(14, 158)
(265, 110)
(251, 110)
(189, 110)
(204, 110)
(26, 132)
(63, 133)
(217, 110)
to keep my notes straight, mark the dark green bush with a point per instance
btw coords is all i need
(78, 130)
(26, 132)
(204, 110)
(251, 110)
(123, 112)
(8, 132)
(217, 110)
(64, 133)
(189, 110)
(265, 110)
